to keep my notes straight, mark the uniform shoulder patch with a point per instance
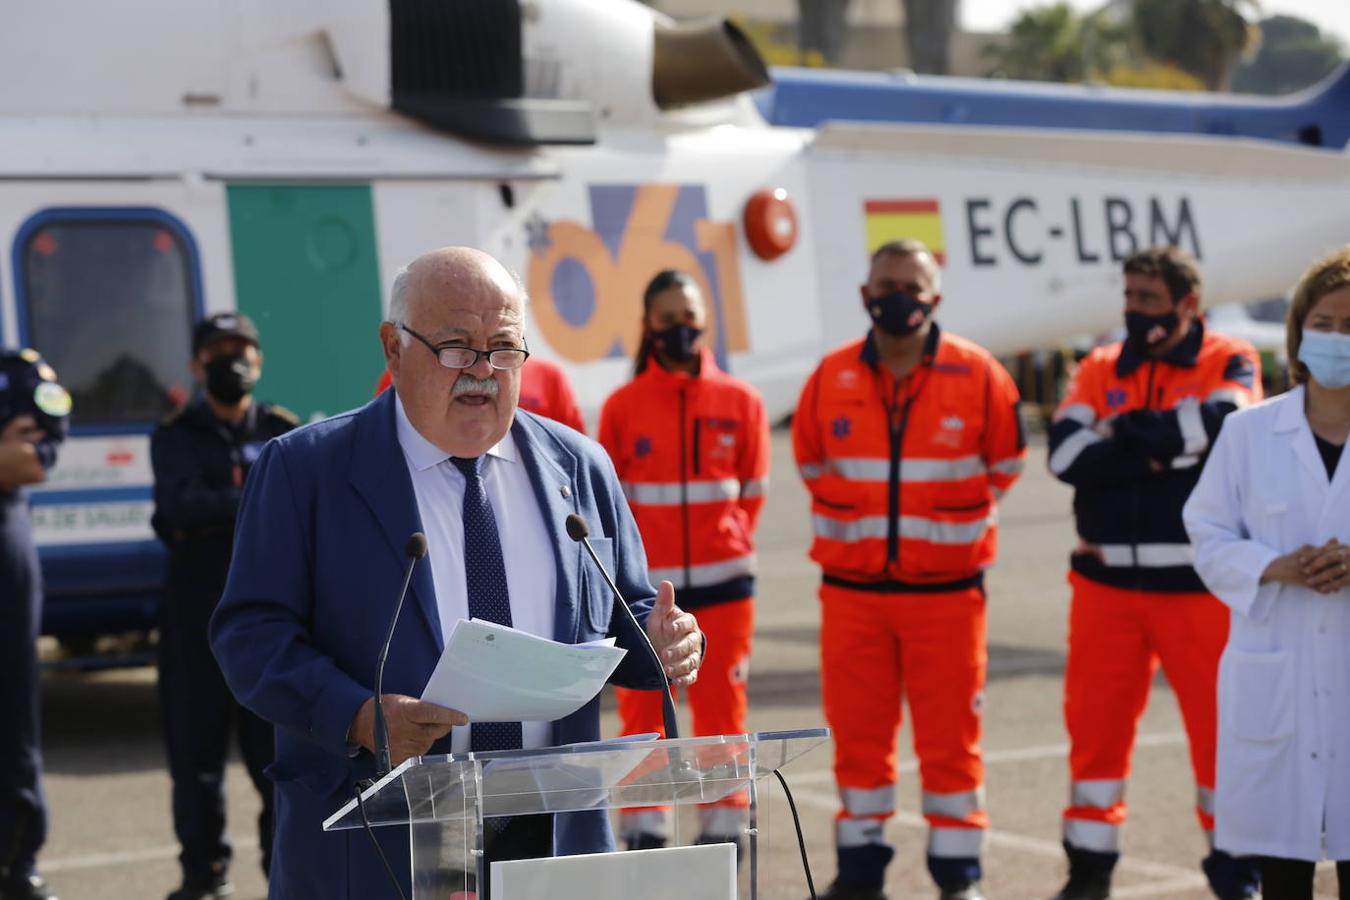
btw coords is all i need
(284, 415)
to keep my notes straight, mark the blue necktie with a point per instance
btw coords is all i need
(485, 578)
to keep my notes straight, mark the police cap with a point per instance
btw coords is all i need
(28, 387)
(223, 325)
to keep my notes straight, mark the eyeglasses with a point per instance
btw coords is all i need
(467, 357)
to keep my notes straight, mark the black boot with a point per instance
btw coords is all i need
(1089, 875)
(31, 887)
(1232, 877)
(843, 890)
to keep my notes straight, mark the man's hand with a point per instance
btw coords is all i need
(1326, 569)
(675, 635)
(414, 725)
(19, 463)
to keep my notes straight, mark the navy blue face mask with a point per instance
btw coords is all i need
(898, 314)
(1146, 332)
(678, 342)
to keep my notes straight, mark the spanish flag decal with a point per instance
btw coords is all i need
(891, 220)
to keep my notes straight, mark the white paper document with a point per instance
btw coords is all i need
(493, 673)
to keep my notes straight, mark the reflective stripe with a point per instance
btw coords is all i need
(706, 574)
(1204, 800)
(810, 471)
(962, 843)
(862, 469)
(1010, 466)
(915, 471)
(912, 527)
(644, 821)
(868, 801)
(1192, 425)
(755, 487)
(1081, 413)
(859, 832)
(723, 821)
(1148, 556)
(672, 493)
(1228, 395)
(953, 806)
(1067, 453)
(1099, 793)
(1086, 834)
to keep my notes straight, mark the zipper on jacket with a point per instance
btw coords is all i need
(897, 430)
(684, 489)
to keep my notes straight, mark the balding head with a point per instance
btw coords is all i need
(455, 297)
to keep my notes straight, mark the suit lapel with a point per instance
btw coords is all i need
(552, 471)
(379, 473)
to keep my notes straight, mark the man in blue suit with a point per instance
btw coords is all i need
(319, 554)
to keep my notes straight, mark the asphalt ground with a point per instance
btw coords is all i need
(112, 838)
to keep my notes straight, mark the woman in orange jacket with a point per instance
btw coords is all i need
(691, 446)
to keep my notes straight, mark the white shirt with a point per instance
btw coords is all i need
(527, 547)
(1284, 680)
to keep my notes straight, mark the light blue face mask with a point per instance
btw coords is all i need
(1327, 356)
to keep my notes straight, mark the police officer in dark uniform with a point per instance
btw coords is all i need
(33, 413)
(201, 457)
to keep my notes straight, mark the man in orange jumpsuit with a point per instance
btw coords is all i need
(691, 446)
(1131, 437)
(544, 389)
(906, 440)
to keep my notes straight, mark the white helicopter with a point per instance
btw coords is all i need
(172, 158)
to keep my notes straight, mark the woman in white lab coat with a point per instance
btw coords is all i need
(1270, 522)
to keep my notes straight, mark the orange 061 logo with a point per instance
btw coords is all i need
(586, 284)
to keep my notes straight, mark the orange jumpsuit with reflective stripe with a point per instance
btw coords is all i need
(1131, 436)
(904, 478)
(692, 453)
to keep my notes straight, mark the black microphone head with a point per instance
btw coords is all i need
(417, 545)
(577, 529)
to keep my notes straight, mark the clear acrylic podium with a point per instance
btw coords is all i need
(445, 800)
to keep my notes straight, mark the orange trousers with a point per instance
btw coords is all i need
(718, 703)
(1117, 638)
(930, 648)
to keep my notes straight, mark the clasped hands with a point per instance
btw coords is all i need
(1325, 569)
(414, 725)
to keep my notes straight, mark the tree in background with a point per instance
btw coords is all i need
(1055, 43)
(1293, 55)
(820, 28)
(928, 31)
(1202, 37)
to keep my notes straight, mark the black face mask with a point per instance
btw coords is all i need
(678, 342)
(229, 378)
(898, 314)
(1146, 332)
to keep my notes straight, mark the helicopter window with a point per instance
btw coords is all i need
(109, 301)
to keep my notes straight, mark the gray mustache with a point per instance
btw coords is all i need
(467, 384)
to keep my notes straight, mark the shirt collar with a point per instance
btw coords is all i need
(422, 454)
(1185, 354)
(870, 355)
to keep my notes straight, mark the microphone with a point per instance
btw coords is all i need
(579, 531)
(415, 549)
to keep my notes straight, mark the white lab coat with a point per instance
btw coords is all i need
(1284, 681)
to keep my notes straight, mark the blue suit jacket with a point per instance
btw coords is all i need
(318, 560)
